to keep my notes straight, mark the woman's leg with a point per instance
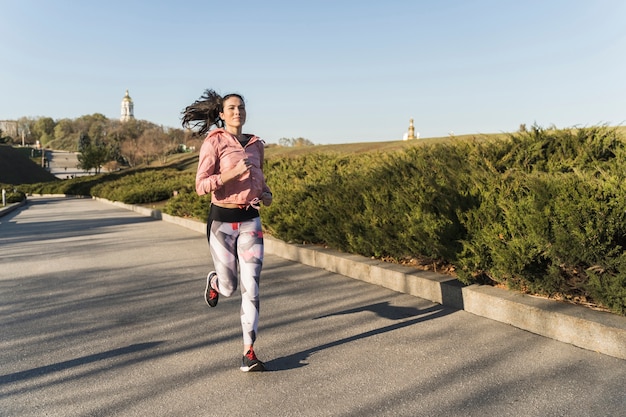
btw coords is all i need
(250, 253)
(223, 244)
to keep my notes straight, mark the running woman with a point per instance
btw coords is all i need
(230, 168)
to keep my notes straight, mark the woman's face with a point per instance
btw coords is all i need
(234, 114)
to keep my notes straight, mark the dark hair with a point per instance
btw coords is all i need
(205, 112)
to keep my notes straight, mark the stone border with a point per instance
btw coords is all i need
(589, 329)
(10, 207)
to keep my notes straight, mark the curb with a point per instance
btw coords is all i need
(10, 207)
(589, 329)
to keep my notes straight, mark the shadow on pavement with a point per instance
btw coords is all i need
(56, 367)
(297, 360)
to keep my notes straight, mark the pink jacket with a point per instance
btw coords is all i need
(220, 152)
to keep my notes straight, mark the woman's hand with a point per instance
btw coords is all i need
(266, 198)
(241, 168)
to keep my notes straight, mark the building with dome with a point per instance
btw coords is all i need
(127, 108)
(411, 133)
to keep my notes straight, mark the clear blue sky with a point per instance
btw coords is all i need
(330, 71)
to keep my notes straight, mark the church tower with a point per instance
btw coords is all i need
(127, 108)
(411, 133)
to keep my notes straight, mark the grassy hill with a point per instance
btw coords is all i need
(189, 161)
(361, 147)
(17, 168)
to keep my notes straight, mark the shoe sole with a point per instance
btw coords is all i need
(257, 367)
(207, 289)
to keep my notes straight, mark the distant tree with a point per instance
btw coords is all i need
(167, 142)
(190, 139)
(84, 142)
(295, 142)
(93, 156)
(147, 145)
(129, 143)
(96, 125)
(114, 151)
(129, 151)
(90, 158)
(43, 130)
(25, 127)
(63, 129)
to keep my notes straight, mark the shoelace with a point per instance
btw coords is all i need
(212, 291)
(250, 355)
(256, 203)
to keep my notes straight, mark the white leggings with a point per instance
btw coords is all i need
(239, 246)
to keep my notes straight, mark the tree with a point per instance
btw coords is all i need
(63, 129)
(43, 130)
(128, 143)
(295, 142)
(25, 131)
(93, 156)
(84, 142)
(164, 142)
(129, 150)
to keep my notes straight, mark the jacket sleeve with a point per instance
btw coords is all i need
(207, 176)
(266, 188)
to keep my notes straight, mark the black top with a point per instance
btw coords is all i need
(232, 215)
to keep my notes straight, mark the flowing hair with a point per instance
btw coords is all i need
(205, 112)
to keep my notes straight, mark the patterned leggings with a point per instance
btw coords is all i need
(233, 246)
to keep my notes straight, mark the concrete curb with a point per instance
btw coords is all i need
(588, 329)
(10, 207)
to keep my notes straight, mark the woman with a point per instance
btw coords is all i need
(230, 168)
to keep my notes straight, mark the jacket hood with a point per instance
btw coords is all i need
(221, 130)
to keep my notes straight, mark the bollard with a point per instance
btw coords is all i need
(4, 197)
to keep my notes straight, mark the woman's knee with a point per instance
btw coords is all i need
(226, 288)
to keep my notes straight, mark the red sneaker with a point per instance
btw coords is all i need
(210, 295)
(250, 363)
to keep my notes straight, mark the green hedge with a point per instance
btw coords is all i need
(12, 194)
(144, 187)
(189, 204)
(542, 211)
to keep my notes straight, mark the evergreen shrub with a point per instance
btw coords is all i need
(143, 187)
(551, 218)
(14, 196)
(188, 204)
(393, 205)
(542, 211)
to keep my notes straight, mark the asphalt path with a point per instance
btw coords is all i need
(65, 164)
(102, 314)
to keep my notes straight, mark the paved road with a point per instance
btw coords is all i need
(101, 314)
(64, 165)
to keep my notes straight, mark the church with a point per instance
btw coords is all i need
(127, 108)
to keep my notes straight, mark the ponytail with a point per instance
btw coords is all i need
(205, 112)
